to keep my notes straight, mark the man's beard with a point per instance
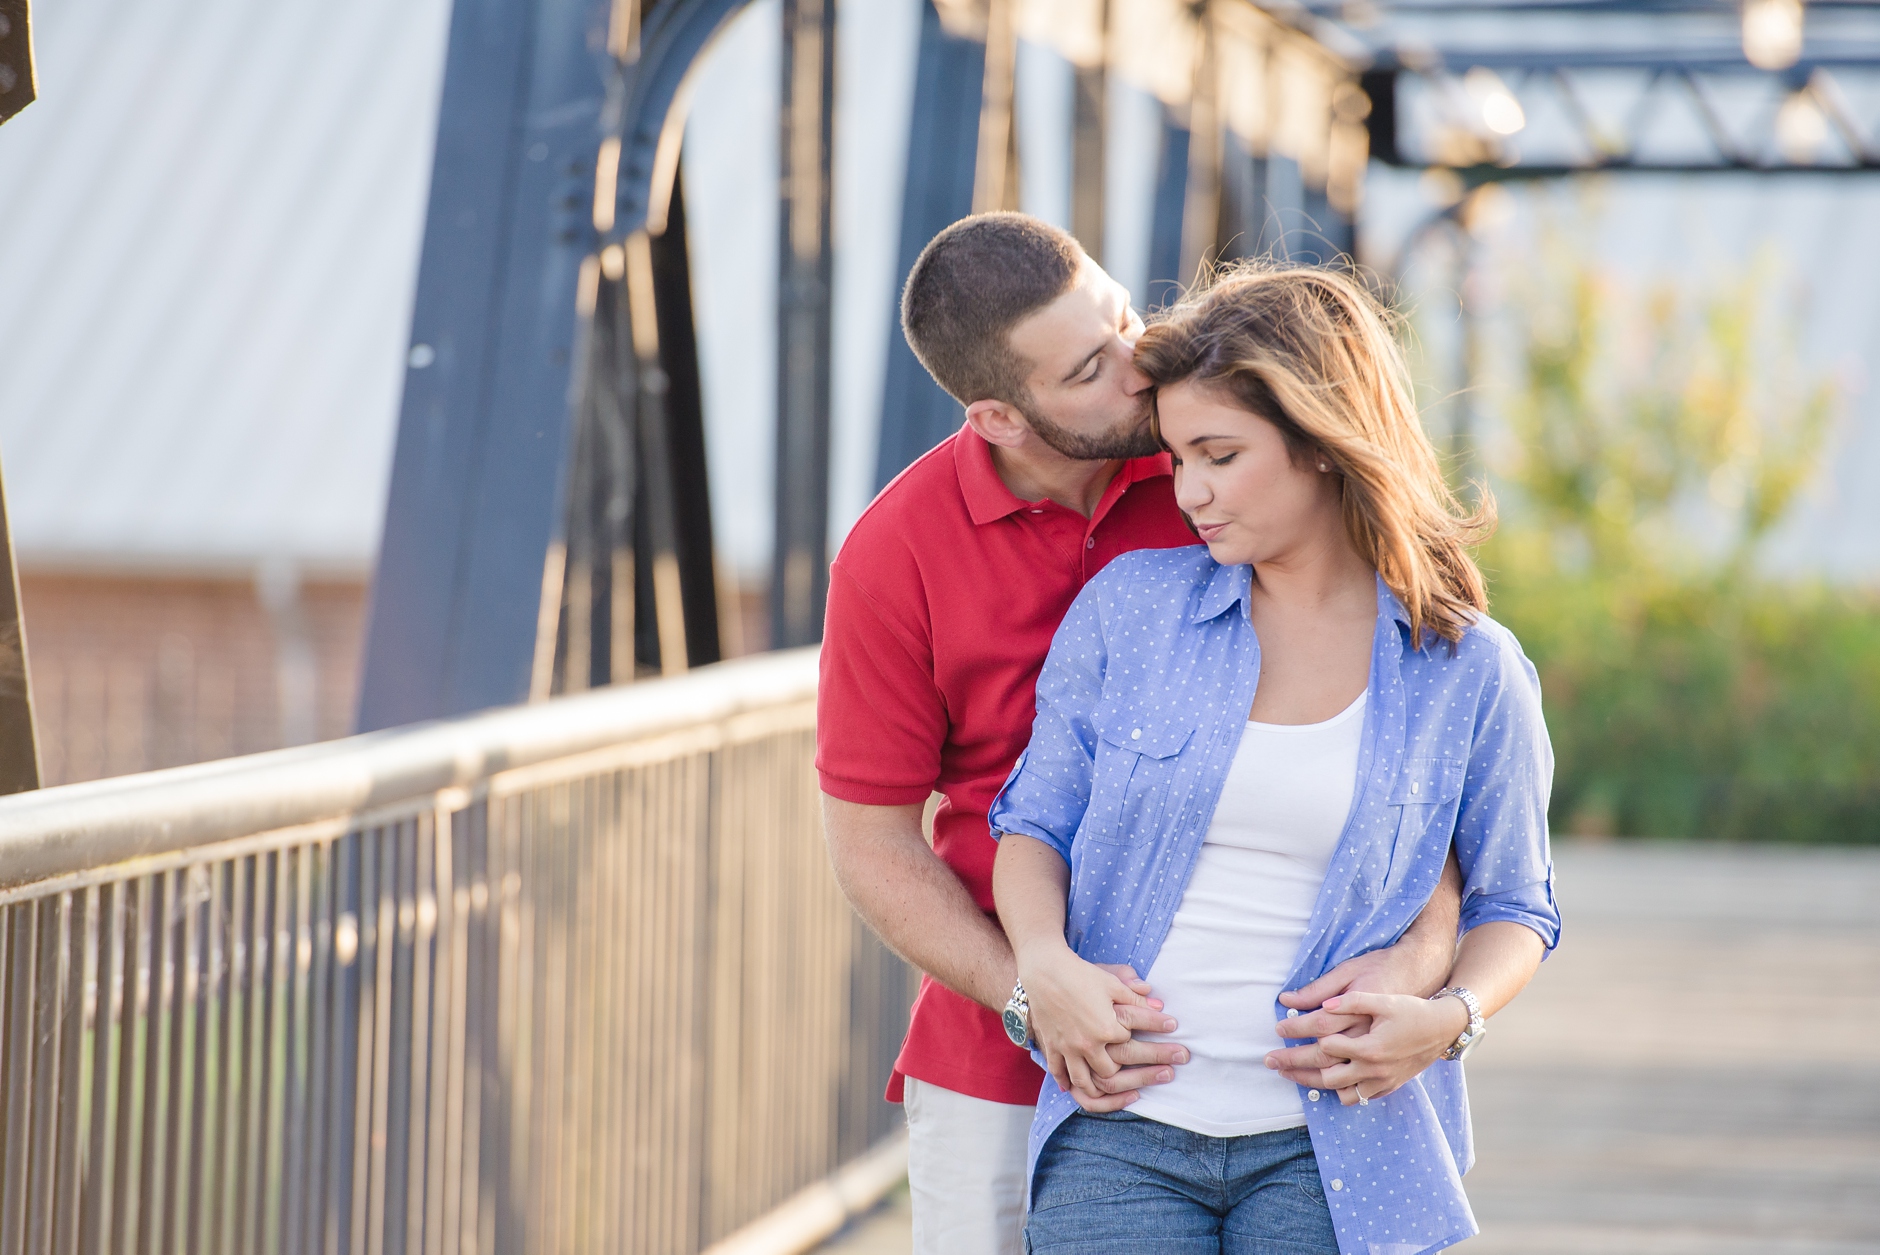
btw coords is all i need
(1131, 438)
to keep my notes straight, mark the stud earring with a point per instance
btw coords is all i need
(1324, 467)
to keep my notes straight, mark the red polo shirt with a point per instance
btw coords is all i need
(942, 605)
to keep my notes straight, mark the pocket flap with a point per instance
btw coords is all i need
(1427, 781)
(1154, 736)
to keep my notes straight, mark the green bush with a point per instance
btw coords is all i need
(1689, 693)
(1693, 708)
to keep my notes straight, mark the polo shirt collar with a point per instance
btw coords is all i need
(988, 499)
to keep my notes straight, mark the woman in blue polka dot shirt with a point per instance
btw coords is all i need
(1250, 762)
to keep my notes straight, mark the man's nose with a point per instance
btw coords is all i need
(1134, 381)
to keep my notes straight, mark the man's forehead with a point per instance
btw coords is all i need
(1060, 329)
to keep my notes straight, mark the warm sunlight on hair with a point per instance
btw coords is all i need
(1313, 352)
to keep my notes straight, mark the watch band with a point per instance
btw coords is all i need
(1477, 1026)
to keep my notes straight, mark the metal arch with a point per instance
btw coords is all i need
(640, 109)
(478, 501)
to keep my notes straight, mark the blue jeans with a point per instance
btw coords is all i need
(1120, 1183)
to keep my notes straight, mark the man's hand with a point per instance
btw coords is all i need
(1138, 1063)
(1417, 965)
(1404, 1035)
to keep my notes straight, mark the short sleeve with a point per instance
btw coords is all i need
(1501, 829)
(880, 719)
(1048, 791)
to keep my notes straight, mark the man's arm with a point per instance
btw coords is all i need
(922, 911)
(914, 902)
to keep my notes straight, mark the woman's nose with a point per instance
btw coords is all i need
(1190, 490)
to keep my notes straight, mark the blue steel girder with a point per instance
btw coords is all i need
(942, 153)
(640, 107)
(477, 500)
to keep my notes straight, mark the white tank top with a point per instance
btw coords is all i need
(1236, 934)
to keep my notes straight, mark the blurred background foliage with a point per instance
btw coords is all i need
(1655, 438)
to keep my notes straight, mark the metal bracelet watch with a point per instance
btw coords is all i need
(1017, 1017)
(1478, 1027)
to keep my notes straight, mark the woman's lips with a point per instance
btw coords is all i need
(1208, 531)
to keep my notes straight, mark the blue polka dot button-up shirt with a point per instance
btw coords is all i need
(1141, 705)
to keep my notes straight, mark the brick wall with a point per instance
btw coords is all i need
(132, 672)
(135, 672)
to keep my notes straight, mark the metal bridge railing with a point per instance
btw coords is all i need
(566, 977)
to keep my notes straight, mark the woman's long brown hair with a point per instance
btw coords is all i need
(1314, 353)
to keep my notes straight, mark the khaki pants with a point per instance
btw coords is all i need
(965, 1172)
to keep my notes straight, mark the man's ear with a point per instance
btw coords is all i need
(998, 423)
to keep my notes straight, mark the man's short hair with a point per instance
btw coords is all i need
(972, 284)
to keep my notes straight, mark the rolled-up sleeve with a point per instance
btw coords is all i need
(1049, 789)
(1501, 829)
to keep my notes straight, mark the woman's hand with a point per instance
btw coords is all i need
(1079, 1010)
(1405, 1036)
(1082, 1014)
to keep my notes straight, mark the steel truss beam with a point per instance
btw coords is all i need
(556, 164)
(1844, 143)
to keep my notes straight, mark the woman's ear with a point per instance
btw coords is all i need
(998, 423)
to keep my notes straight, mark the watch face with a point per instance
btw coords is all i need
(1462, 1050)
(1016, 1028)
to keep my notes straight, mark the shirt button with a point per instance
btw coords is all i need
(1090, 542)
(1337, 1184)
(1292, 1013)
(1135, 734)
(1313, 1094)
(1413, 786)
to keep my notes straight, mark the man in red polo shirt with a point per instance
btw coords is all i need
(942, 605)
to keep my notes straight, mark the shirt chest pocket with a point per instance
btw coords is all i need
(1138, 755)
(1425, 797)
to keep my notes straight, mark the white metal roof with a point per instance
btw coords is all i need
(209, 226)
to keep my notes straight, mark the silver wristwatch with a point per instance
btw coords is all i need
(1017, 1017)
(1478, 1027)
